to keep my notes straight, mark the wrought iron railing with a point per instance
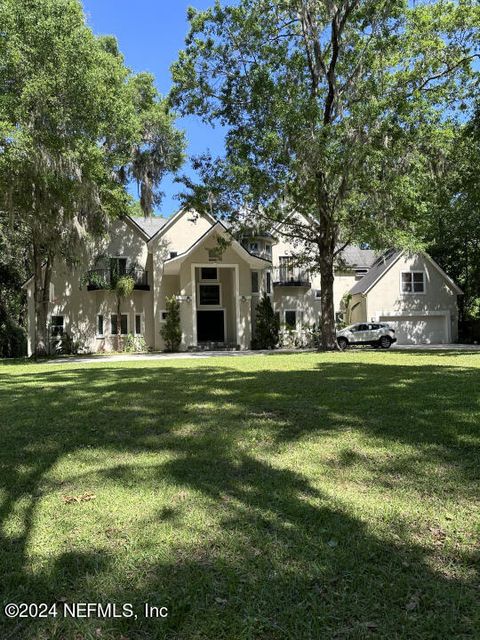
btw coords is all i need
(105, 278)
(290, 276)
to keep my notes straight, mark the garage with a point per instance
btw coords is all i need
(419, 329)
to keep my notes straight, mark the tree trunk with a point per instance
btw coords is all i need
(41, 295)
(326, 254)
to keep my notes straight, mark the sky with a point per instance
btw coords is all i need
(150, 35)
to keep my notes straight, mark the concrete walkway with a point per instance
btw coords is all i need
(436, 347)
(132, 357)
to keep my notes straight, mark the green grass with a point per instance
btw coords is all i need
(266, 497)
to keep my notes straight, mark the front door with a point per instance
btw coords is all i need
(211, 326)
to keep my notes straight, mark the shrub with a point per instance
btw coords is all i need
(267, 325)
(171, 331)
(13, 341)
(135, 344)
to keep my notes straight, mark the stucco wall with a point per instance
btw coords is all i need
(70, 298)
(386, 298)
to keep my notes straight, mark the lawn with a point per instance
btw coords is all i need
(266, 497)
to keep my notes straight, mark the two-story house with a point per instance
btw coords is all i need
(218, 281)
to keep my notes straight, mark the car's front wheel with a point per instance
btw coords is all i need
(385, 342)
(342, 343)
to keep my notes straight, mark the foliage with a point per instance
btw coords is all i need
(15, 265)
(124, 286)
(267, 325)
(75, 124)
(332, 110)
(171, 331)
(308, 337)
(135, 344)
(250, 484)
(13, 341)
(453, 233)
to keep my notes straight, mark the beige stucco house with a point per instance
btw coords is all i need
(219, 280)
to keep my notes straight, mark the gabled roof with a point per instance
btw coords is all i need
(385, 262)
(151, 225)
(353, 256)
(217, 227)
(173, 219)
(381, 265)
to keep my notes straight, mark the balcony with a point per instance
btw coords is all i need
(261, 253)
(98, 279)
(290, 277)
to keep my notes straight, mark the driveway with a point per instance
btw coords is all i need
(436, 347)
(126, 357)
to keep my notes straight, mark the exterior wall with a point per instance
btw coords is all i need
(301, 299)
(235, 268)
(184, 232)
(386, 299)
(358, 309)
(70, 298)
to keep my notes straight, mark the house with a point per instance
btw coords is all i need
(218, 281)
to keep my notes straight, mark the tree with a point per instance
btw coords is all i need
(453, 233)
(333, 110)
(267, 325)
(14, 267)
(75, 126)
(171, 331)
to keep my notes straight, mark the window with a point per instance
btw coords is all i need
(255, 283)
(269, 282)
(359, 273)
(318, 294)
(209, 294)
(173, 254)
(268, 249)
(208, 273)
(291, 319)
(253, 247)
(359, 327)
(138, 324)
(413, 282)
(215, 255)
(123, 324)
(100, 325)
(56, 326)
(118, 266)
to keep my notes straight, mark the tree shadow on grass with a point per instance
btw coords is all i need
(274, 556)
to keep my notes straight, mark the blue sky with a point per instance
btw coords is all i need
(150, 34)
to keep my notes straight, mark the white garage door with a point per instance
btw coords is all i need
(418, 329)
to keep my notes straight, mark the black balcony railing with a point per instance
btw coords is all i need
(105, 278)
(291, 277)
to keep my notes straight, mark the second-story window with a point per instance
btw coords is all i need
(269, 282)
(255, 282)
(118, 267)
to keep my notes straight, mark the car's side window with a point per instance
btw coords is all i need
(362, 327)
(374, 327)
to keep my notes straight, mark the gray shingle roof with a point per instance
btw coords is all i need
(353, 256)
(378, 268)
(150, 225)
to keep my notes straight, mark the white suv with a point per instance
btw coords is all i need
(375, 334)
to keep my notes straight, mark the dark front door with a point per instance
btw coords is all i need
(210, 326)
